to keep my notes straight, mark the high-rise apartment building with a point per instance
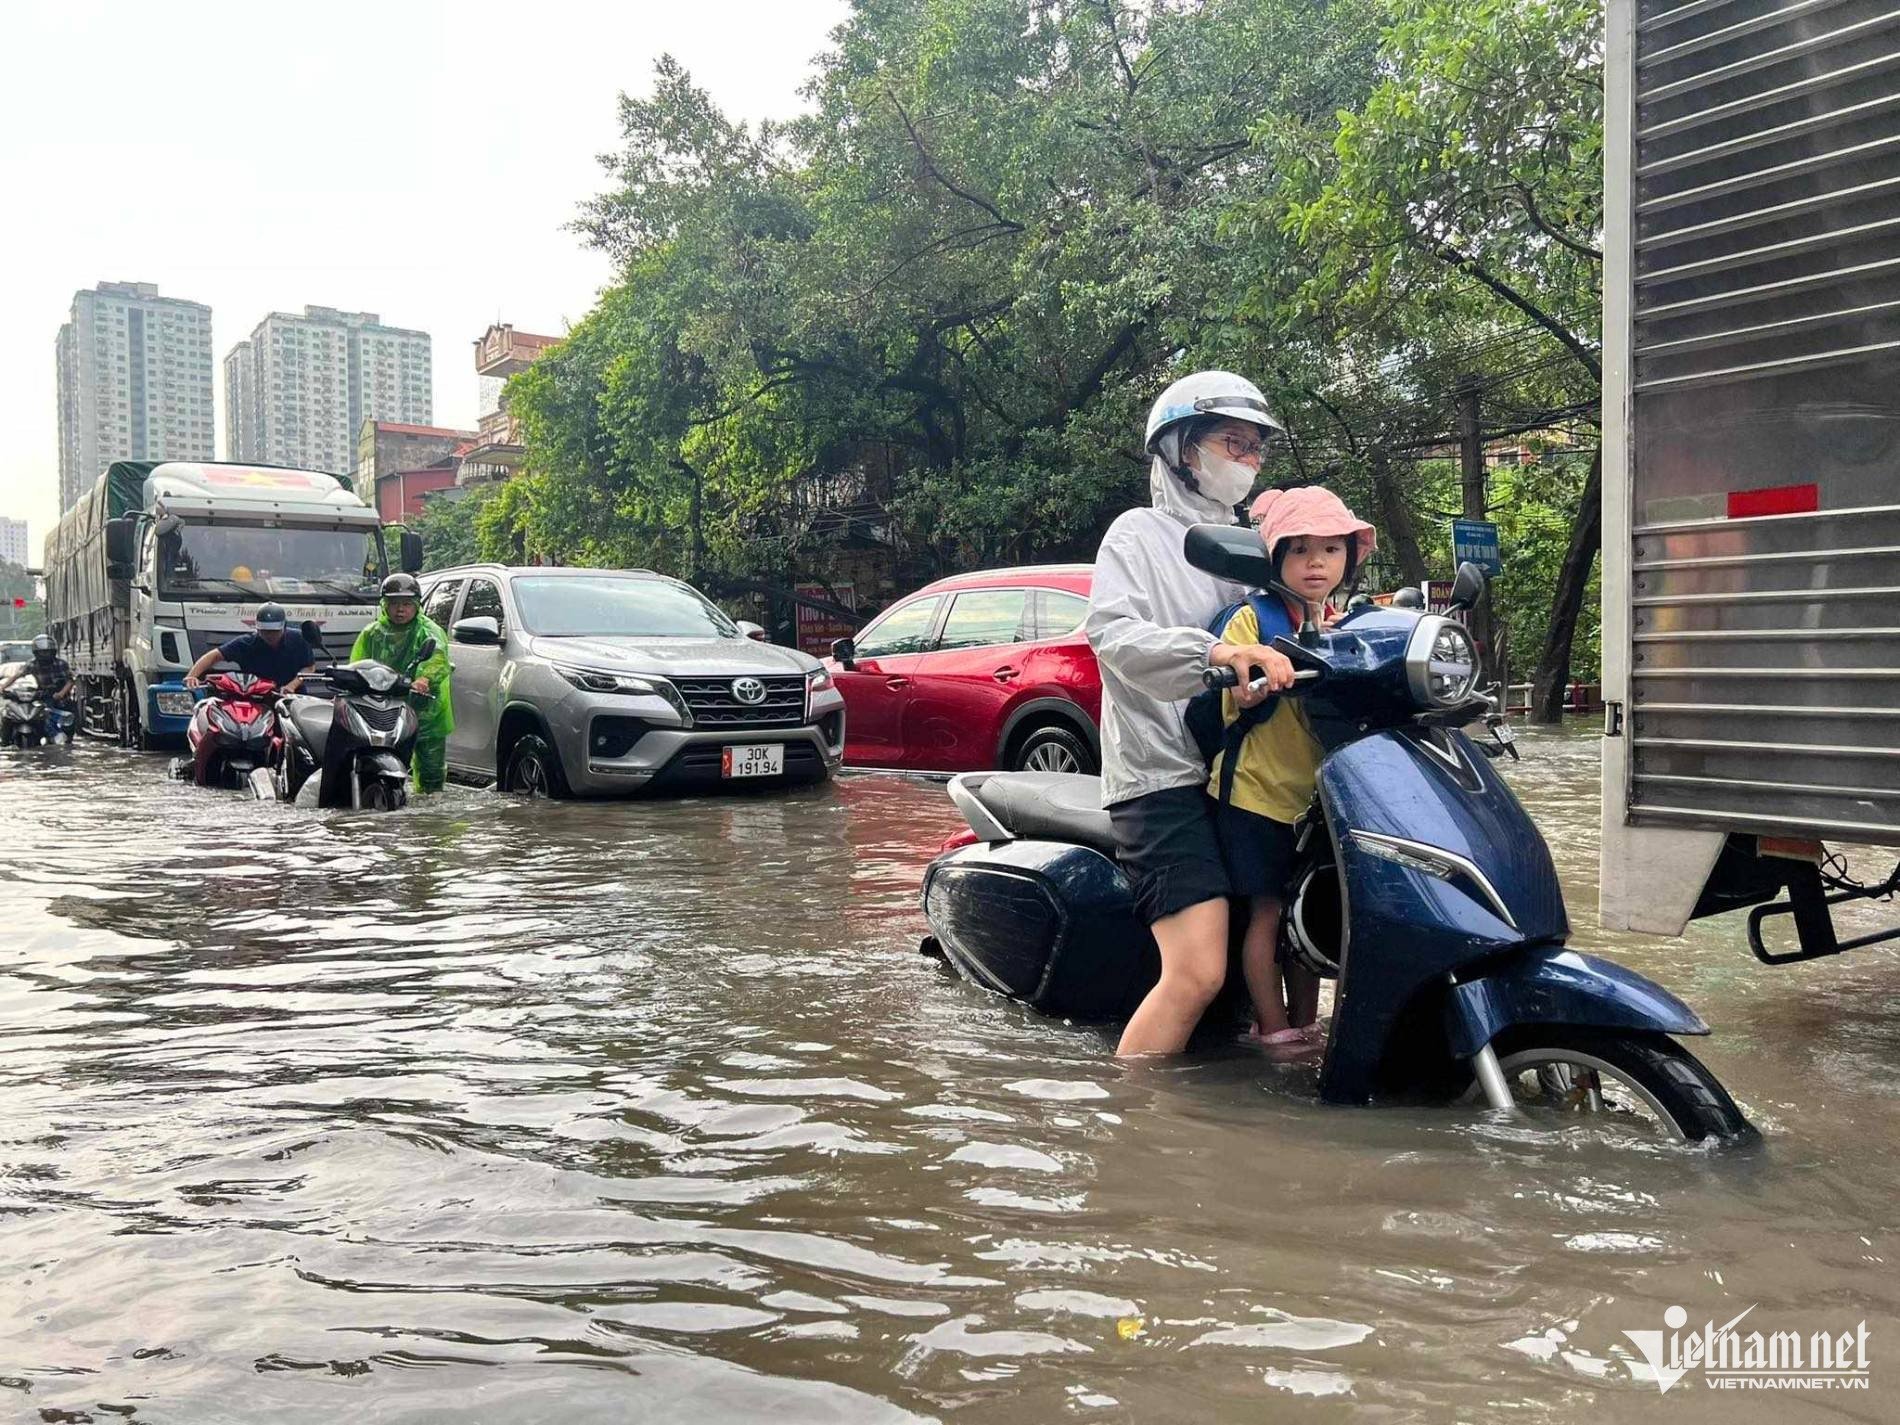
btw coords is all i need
(13, 542)
(240, 403)
(134, 382)
(300, 389)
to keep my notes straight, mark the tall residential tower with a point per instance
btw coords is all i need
(134, 382)
(300, 389)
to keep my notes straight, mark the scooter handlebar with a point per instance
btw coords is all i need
(1230, 678)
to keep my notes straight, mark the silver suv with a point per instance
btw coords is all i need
(595, 681)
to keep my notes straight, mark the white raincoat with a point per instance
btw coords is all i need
(1148, 617)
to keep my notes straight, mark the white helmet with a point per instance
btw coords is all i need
(1207, 394)
(1204, 394)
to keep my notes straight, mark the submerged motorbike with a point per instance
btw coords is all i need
(233, 731)
(26, 720)
(1421, 885)
(353, 746)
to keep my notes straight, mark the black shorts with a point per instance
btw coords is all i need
(1168, 848)
(1256, 850)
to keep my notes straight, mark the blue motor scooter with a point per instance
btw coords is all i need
(1421, 884)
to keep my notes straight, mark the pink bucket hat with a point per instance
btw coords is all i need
(1310, 510)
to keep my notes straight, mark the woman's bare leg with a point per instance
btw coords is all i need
(1193, 966)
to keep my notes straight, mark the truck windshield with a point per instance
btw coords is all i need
(260, 562)
(615, 606)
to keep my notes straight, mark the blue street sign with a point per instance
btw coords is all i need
(1476, 541)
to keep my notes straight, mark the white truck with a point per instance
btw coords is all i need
(161, 561)
(1751, 464)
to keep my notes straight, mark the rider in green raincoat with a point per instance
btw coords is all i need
(396, 638)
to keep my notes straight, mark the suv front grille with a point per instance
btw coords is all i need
(715, 708)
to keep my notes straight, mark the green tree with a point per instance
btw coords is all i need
(968, 267)
(21, 623)
(1449, 225)
(448, 526)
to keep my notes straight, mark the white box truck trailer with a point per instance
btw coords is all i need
(161, 561)
(1751, 449)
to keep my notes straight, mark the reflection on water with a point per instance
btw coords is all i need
(587, 1111)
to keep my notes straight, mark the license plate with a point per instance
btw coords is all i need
(753, 759)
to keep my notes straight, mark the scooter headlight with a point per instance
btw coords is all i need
(1441, 662)
(1438, 862)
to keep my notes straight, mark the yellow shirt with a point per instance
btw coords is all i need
(1279, 761)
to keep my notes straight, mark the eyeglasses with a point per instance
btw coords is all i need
(1242, 447)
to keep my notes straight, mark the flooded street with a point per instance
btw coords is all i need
(610, 1111)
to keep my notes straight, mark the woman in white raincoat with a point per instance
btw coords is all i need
(1148, 624)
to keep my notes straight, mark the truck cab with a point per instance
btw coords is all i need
(165, 561)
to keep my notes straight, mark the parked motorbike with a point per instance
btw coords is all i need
(354, 746)
(26, 720)
(1421, 885)
(233, 731)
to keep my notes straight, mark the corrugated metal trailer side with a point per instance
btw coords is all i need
(1752, 435)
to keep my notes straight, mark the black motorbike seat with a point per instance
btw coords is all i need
(312, 717)
(1056, 806)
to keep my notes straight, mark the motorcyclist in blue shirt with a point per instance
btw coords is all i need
(274, 651)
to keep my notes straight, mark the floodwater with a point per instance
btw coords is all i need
(504, 1111)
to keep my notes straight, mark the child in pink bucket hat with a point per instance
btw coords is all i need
(1317, 545)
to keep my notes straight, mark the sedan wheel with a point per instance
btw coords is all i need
(1054, 749)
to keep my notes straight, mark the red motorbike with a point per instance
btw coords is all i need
(233, 730)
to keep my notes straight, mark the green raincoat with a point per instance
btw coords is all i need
(398, 647)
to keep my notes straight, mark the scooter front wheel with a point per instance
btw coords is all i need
(385, 796)
(1636, 1080)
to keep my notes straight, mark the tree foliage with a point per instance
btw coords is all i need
(947, 290)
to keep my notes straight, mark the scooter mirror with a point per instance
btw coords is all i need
(1229, 551)
(1233, 552)
(312, 635)
(1468, 587)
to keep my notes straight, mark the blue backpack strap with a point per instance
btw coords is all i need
(1270, 614)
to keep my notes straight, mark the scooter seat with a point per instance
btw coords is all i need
(312, 717)
(1058, 806)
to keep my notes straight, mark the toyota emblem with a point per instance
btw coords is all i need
(748, 690)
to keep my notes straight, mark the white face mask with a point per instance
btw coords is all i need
(1222, 479)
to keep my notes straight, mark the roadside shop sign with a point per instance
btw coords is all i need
(816, 628)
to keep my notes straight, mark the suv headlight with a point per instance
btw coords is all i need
(599, 680)
(602, 680)
(817, 680)
(1441, 662)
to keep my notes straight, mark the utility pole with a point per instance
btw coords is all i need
(1470, 394)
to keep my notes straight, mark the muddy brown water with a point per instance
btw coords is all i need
(506, 1111)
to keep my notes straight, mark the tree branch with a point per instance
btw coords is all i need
(1471, 267)
(931, 169)
(1582, 249)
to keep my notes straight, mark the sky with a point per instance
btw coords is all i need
(414, 158)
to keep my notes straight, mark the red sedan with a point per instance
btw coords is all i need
(974, 672)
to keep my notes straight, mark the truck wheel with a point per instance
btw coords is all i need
(534, 769)
(1619, 1078)
(1053, 749)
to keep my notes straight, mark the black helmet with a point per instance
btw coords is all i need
(401, 586)
(44, 649)
(271, 616)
